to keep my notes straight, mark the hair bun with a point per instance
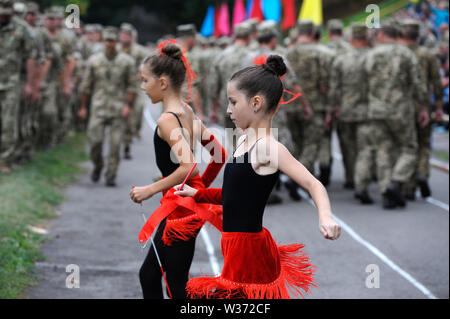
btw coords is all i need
(276, 65)
(172, 50)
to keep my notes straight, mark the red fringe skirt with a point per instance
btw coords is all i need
(184, 217)
(255, 267)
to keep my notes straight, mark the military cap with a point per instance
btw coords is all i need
(32, 7)
(410, 25)
(389, 26)
(98, 27)
(89, 28)
(20, 8)
(186, 30)
(127, 27)
(267, 28)
(242, 29)
(359, 29)
(222, 41)
(293, 34)
(200, 39)
(212, 41)
(54, 12)
(110, 33)
(6, 7)
(253, 22)
(305, 26)
(335, 24)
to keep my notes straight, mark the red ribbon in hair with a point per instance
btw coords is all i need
(260, 60)
(191, 76)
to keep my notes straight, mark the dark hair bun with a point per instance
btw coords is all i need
(275, 64)
(172, 50)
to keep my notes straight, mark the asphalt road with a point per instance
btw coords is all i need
(97, 231)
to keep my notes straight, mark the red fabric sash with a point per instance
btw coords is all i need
(171, 202)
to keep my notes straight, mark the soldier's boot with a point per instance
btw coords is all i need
(293, 190)
(349, 185)
(95, 176)
(364, 197)
(395, 192)
(110, 183)
(324, 177)
(127, 153)
(388, 202)
(425, 190)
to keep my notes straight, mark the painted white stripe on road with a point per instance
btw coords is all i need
(375, 251)
(203, 232)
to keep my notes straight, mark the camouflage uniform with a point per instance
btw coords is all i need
(429, 66)
(16, 47)
(309, 65)
(26, 106)
(394, 80)
(206, 60)
(348, 91)
(336, 48)
(108, 81)
(138, 53)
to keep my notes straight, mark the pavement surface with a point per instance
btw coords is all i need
(381, 254)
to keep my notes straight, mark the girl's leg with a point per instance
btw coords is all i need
(178, 261)
(150, 272)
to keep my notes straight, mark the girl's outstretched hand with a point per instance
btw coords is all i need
(139, 194)
(329, 228)
(187, 191)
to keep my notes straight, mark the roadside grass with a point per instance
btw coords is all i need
(27, 198)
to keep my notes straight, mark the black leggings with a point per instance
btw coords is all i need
(176, 260)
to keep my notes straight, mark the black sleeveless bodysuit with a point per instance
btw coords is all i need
(163, 152)
(244, 195)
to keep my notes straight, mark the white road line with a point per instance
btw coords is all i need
(429, 200)
(203, 232)
(375, 251)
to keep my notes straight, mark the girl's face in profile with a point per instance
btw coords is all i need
(238, 108)
(151, 85)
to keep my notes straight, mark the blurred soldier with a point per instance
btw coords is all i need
(206, 61)
(97, 45)
(429, 65)
(128, 45)
(66, 42)
(224, 66)
(253, 24)
(29, 77)
(348, 95)
(337, 46)
(394, 81)
(309, 64)
(50, 79)
(110, 80)
(16, 47)
(186, 34)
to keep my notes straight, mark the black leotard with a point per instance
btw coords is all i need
(244, 195)
(163, 153)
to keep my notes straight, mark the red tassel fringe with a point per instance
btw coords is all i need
(296, 274)
(181, 229)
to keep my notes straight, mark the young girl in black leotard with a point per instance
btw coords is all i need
(163, 75)
(254, 265)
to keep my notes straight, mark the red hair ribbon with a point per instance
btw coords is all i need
(191, 76)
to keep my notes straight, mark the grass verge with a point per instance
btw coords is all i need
(27, 197)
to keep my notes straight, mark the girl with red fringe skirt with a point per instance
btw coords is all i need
(254, 265)
(177, 221)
